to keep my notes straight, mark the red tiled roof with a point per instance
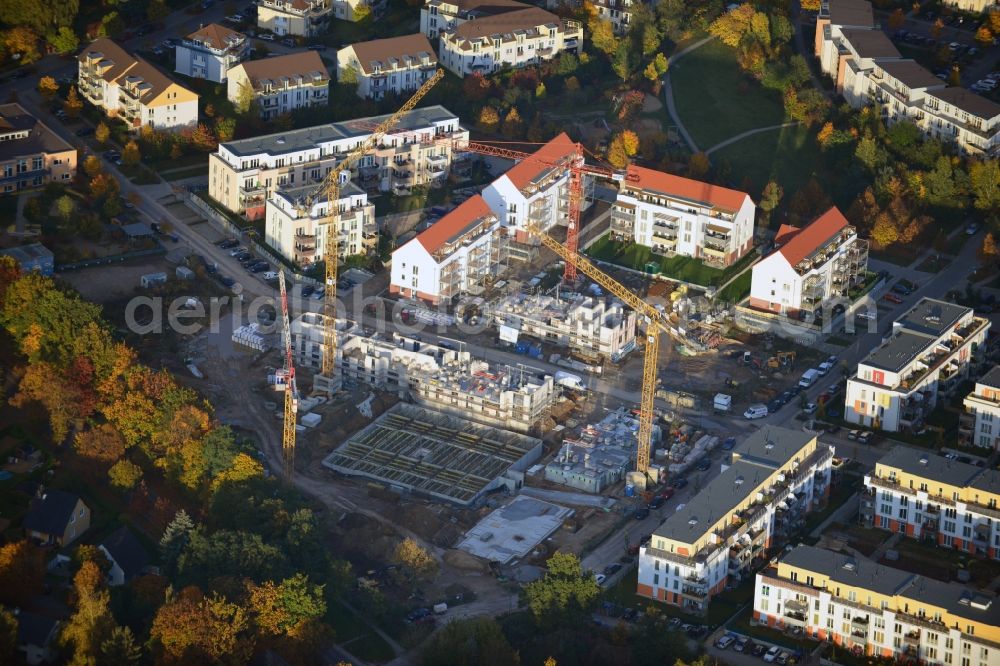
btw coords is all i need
(813, 236)
(526, 171)
(785, 233)
(215, 36)
(454, 224)
(686, 188)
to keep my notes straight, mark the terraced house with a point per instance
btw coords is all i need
(926, 496)
(777, 476)
(875, 610)
(927, 354)
(674, 215)
(297, 222)
(280, 85)
(129, 88)
(243, 174)
(513, 39)
(394, 66)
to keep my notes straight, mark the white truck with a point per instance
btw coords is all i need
(569, 380)
(809, 378)
(722, 402)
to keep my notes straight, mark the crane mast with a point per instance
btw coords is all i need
(291, 393)
(330, 187)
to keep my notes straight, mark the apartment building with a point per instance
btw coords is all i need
(776, 477)
(243, 174)
(396, 65)
(299, 18)
(535, 192)
(875, 610)
(855, 56)
(281, 84)
(513, 39)
(210, 52)
(930, 497)
(432, 376)
(439, 15)
(811, 266)
(129, 88)
(297, 221)
(590, 327)
(459, 254)
(834, 17)
(618, 12)
(31, 154)
(927, 353)
(674, 215)
(979, 425)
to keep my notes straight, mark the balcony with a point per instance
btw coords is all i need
(795, 619)
(912, 639)
(305, 251)
(859, 626)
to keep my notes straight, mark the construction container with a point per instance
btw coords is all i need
(150, 279)
(310, 420)
(629, 489)
(636, 479)
(184, 273)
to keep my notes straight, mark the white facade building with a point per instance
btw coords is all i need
(300, 235)
(300, 18)
(281, 84)
(812, 265)
(209, 53)
(243, 174)
(776, 477)
(925, 496)
(927, 353)
(456, 255)
(980, 424)
(871, 609)
(439, 15)
(396, 65)
(675, 215)
(513, 39)
(130, 88)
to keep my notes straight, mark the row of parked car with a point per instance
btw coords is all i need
(246, 258)
(770, 655)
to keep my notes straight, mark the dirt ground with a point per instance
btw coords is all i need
(111, 283)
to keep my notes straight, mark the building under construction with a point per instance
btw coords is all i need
(418, 450)
(591, 326)
(600, 456)
(447, 380)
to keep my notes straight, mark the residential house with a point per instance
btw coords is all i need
(723, 532)
(618, 12)
(810, 267)
(877, 611)
(129, 88)
(980, 424)
(396, 65)
(439, 15)
(834, 17)
(301, 18)
(675, 215)
(930, 497)
(459, 254)
(535, 192)
(857, 53)
(243, 174)
(516, 39)
(298, 221)
(210, 52)
(36, 637)
(127, 555)
(33, 257)
(281, 84)
(927, 353)
(56, 518)
(959, 116)
(31, 154)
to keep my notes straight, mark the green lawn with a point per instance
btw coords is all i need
(716, 100)
(190, 172)
(637, 257)
(356, 637)
(789, 155)
(736, 290)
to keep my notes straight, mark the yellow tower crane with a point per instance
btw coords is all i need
(291, 393)
(656, 322)
(330, 189)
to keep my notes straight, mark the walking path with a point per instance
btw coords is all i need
(668, 95)
(743, 135)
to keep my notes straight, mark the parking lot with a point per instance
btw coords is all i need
(734, 648)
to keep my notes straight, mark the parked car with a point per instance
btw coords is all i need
(238, 250)
(972, 229)
(680, 483)
(641, 514)
(307, 290)
(289, 42)
(227, 281)
(729, 444)
(772, 654)
(853, 435)
(704, 465)
(267, 37)
(865, 437)
(741, 644)
(725, 641)
(612, 569)
(758, 650)
(235, 18)
(600, 578)
(810, 408)
(892, 298)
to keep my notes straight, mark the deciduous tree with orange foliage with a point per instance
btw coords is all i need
(194, 629)
(22, 572)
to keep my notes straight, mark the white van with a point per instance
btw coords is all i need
(809, 378)
(824, 368)
(755, 412)
(268, 276)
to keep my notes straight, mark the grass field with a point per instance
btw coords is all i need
(732, 104)
(636, 257)
(789, 155)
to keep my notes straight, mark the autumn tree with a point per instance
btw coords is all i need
(564, 594)
(602, 36)
(103, 444)
(770, 197)
(937, 28)
(65, 206)
(92, 622)
(47, 87)
(22, 572)
(157, 10)
(246, 100)
(698, 165)
(984, 36)
(810, 5)
(225, 129)
(730, 27)
(415, 561)
(984, 176)
(23, 40)
(120, 648)
(617, 156)
(513, 126)
(63, 40)
(92, 166)
(104, 186)
(630, 141)
(993, 20)
(130, 154)
(896, 19)
(473, 641)
(621, 61)
(955, 76)
(43, 383)
(194, 629)
(124, 475)
(476, 87)
(73, 105)
(988, 250)
(8, 636)
(203, 139)
(102, 134)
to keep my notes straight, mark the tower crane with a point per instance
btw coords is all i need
(656, 323)
(330, 189)
(291, 392)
